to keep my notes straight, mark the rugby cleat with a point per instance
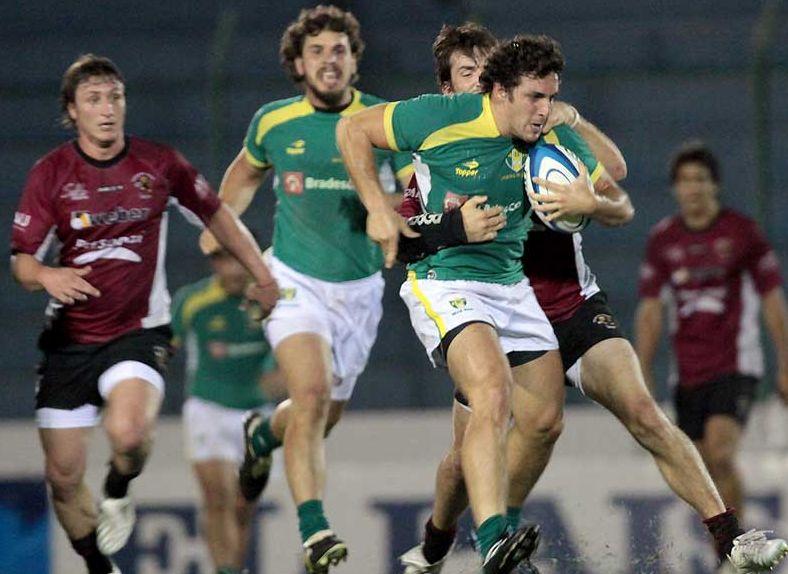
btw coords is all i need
(255, 470)
(511, 550)
(415, 563)
(322, 550)
(115, 524)
(752, 552)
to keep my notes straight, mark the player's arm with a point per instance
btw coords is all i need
(66, 284)
(775, 315)
(613, 205)
(648, 329)
(357, 135)
(604, 148)
(239, 185)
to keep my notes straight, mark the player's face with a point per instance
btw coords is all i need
(99, 111)
(465, 71)
(528, 104)
(232, 275)
(328, 66)
(694, 188)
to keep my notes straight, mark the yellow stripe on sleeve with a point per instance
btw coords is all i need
(414, 283)
(280, 116)
(598, 171)
(405, 172)
(254, 161)
(388, 125)
(482, 126)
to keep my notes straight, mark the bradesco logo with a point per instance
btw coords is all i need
(85, 219)
(294, 183)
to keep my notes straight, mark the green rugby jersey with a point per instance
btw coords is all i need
(460, 153)
(565, 136)
(226, 351)
(319, 223)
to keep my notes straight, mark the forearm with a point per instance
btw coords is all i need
(27, 271)
(236, 238)
(605, 150)
(240, 184)
(436, 231)
(356, 148)
(613, 206)
(775, 316)
(648, 329)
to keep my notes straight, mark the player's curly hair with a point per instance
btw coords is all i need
(524, 55)
(312, 21)
(694, 151)
(84, 67)
(464, 38)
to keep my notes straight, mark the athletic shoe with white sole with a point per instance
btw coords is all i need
(752, 552)
(415, 563)
(115, 524)
(323, 549)
(511, 550)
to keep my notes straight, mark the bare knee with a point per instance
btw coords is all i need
(491, 405)
(128, 435)
(312, 401)
(64, 478)
(719, 460)
(646, 421)
(216, 500)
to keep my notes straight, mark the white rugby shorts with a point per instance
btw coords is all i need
(346, 314)
(437, 307)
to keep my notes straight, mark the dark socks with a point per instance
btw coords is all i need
(96, 562)
(311, 518)
(513, 515)
(724, 528)
(117, 485)
(437, 542)
(264, 441)
(489, 532)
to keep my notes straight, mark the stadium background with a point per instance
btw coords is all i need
(651, 74)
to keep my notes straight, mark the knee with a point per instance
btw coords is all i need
(64, 478)
(312, 401)
(647, 422)
(719, 461)
(217, 499)
(550, 424)
(128, 435)
(491, 404)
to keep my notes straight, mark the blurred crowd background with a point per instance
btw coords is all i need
(650, 74)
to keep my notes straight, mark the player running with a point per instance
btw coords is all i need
(231, 370)
(104, 197)
(712, 264)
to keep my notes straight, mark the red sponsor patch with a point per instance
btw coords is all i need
(293, 182)
(453, 201)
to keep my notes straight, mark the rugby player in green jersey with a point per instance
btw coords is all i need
(231, 370)
(608, 372)
(470, 305)
(328, 270)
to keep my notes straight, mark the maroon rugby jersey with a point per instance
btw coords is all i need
(553, 263)
(112, 216)
(711, 279)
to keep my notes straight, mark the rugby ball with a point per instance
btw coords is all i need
(554, 163)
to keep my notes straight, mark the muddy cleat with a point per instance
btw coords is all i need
(415, 563)
(323, 549)
(255, 470)
(753, 552)
(115, 524)
(512, 550)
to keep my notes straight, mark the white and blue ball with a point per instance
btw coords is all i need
(553, 163)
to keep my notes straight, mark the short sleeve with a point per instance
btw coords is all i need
(190, 189)
(253, 143)
(762, 262)
(35, 216)
(653, 272)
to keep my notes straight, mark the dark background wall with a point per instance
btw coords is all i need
(651, 74)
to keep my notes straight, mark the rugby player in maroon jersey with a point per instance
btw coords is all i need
(716, 269)
(597, 358)
(104, 197)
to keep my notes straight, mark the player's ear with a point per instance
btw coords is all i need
(72, 111)
(446, 88)
(299, 66)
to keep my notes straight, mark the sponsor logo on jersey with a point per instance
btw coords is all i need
(709, 300)
(513, 206)
(21, 219)
(723, 247)
(143, 181)
(674, 253)
(467, 169)
(108, 242)
(605, 320)
(293, 182)
(110, 188)
(515, 160)
(453, 201)
(330, 183)
(298, 147)
(74, 192)
(85, 219)
(459, 303)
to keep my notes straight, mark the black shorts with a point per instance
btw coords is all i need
(592, 323)
(69, 374)
(730, 395)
